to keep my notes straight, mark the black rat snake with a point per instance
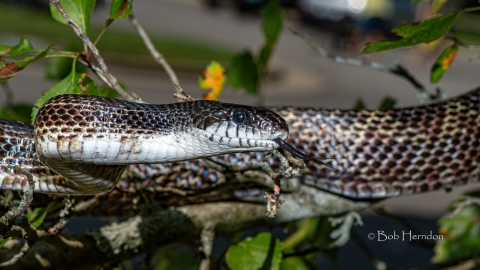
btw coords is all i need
(372, 154)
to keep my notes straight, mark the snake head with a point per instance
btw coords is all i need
(240, 127)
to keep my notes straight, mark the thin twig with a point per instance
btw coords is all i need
(397, 70)
(83, 206)
(64, 216)
(181, 95)
(286, 171)
(378, 264)
(105, 75)
(26, 198)
(17, 256)
(172, 190)
(341, 235)
(207, 238)
(464, 44)
(461, 204)
(157, 56)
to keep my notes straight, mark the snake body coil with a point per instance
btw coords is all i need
(374, 154)
(89, 140)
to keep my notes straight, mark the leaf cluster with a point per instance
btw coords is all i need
(247, 69)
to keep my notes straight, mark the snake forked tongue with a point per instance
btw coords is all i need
(297, 154)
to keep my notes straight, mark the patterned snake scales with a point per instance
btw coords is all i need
(372, 154)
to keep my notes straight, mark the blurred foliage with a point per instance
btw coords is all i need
(78, 10)
(175, 257)
(460, 231)
(412, 34)
(436, 4)
(443, 63)
(263, 251)
(246, 69)
(59, 67)
(17, 111)
(385, 104)
(36, 216)
(244, 73)
(184, 54)
(10, 67)
(120, 9)
(426, 31)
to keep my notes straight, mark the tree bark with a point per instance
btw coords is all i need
(144, 233)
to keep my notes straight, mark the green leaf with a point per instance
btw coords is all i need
(359, 105)
(175, 257)
(59, 67)
(294, 263)
(438, 5)
(262, 251)
(304, 231)
(3, 242)
(120, 9)
(111, 93)
(74, 83)
(443, 63)
(272, 20)
(10, 68)
(412, 34)
(244, 73)
(37, 216)
(272, 26)
(78, 10)
(461, 235)
(20, 112)
(387, 103)
(108, 92)
(23, 47)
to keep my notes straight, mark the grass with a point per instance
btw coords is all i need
(118, 47)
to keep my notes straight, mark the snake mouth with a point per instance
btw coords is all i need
(296, 153)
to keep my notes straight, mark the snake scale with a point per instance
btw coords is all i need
(371, 154)
(90, 140)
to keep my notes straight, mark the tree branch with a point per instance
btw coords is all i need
(140, 234)
(103, 72)
(398, 70)
(157, 56)
(26, 200)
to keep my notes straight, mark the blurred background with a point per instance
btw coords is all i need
(191, 33)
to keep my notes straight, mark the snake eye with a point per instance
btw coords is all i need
(238, 117)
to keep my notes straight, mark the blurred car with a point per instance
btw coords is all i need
(246, 5)
(330, 11)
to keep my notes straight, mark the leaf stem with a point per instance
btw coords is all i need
(104, 29)
(103, 73)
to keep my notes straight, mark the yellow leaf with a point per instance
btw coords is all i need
(448, 60)
(213, 79)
